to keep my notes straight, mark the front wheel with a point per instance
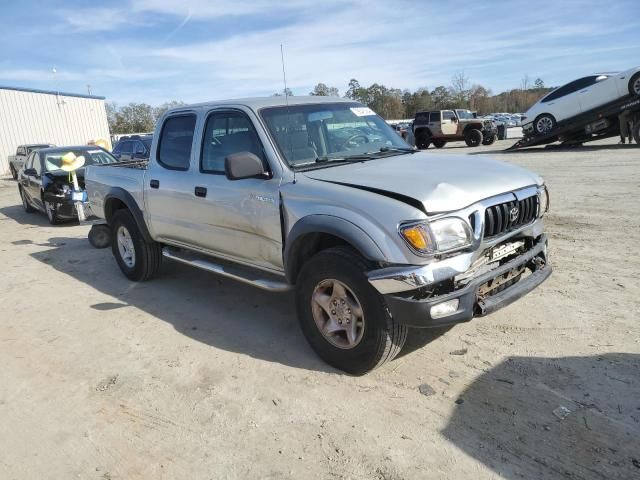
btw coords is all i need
(52, 214)
(438, 143)
(14, 172)
(138, 259)
(473, 137)
(634, 85)
(344, 319)
(544, 123)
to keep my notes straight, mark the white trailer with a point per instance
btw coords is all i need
(29, 116)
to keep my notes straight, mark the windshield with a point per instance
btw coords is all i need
(465, 114)
(53, 160)
(307, 133)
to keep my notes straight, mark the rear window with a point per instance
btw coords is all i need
(176, 139)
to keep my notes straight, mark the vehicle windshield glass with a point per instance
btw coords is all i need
(53, 160)
(306, 133)
(465, 114)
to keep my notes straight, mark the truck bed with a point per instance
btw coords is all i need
(128, 176)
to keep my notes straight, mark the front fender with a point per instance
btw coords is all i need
(336, 226)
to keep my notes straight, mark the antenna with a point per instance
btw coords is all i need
(286, 101)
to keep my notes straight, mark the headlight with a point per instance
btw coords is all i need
(438, 236)
(544, 200)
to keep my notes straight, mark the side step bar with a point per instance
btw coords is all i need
(228, 270)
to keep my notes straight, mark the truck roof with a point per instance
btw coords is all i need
(257, 103)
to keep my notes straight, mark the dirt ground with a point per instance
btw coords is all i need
(191, 376)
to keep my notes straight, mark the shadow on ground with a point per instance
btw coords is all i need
(208, 308)
(507, 419)
(17, 213)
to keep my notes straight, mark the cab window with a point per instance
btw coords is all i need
(176, 139)
(448, 115)
(226, 133)
(435, 117)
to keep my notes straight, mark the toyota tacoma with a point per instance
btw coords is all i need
(320, 195)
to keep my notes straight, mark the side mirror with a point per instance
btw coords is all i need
(30, 172)
(243, 165)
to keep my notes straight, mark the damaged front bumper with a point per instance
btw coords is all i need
(480, 295)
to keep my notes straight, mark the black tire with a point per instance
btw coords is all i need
(423, 141)
(25, 203)
(490, 140)
(634, 85)
(382, 337)
(100, 236)
(14, 173)
(544, 123)
(51, 211)
(147, 255)
(473, 137)
(439, 143)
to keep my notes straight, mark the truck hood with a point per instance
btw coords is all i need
(440, 183)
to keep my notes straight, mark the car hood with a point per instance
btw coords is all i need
(440, 183)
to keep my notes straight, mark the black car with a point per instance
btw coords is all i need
(135, 147)
(44, 186)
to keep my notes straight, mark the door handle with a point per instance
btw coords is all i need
(154, 183)
(584, 91)
(200, 192)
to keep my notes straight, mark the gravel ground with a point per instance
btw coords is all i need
(191, 376)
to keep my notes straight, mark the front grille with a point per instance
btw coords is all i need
(498, 218)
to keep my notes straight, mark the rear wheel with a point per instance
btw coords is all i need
(423, 140)
(439, 143)
(544, 123)
(634, 85)
(473, 137)
(344, 319)
(138, 259)
(490, 140)
(25, 203)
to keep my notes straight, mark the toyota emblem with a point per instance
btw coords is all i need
(513, 214)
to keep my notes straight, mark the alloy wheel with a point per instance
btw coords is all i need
(338, 314)
(544, 124)
(125, 246)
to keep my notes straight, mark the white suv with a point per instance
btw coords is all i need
(579, 96)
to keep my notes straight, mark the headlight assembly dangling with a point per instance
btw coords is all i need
(439, 236)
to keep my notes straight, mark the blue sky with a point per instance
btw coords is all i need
(195, 50)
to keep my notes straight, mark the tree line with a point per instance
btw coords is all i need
(390, 103)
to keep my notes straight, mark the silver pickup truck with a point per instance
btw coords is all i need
(321, 195)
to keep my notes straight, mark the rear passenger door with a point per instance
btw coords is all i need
(170, 181)
(237, 219)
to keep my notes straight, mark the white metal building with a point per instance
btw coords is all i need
(40, 116)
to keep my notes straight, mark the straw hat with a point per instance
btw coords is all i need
(69, 162)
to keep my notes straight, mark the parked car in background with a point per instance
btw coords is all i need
(16, 162)
(135, 147)
(45, 187)
(580, 96)
(321, 195)
(442, 126)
